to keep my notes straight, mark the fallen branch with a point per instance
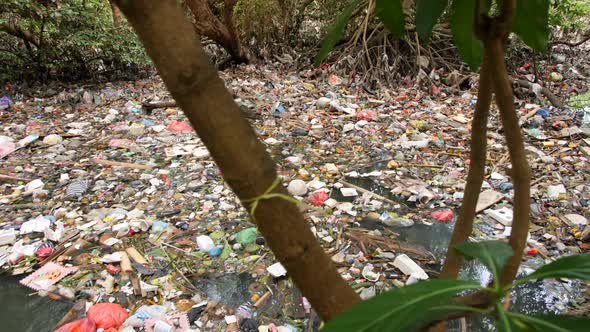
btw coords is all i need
(365, 191)
(536, 89)
(121, 164)
(148, 106)
(4, 177)
(559, 42)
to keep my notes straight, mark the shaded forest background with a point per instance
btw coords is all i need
(71, 40)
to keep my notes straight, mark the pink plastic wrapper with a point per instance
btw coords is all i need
(180, 127)
(317, 198)
(365, 115)
(120, 142)
(443, 216)
(80, 325)
(108, 315)
(6, 149)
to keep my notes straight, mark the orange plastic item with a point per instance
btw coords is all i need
(108, 315)
(80, 325)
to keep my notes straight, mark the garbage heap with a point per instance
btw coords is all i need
(110, 202)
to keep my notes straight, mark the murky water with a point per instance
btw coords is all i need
(20, 312)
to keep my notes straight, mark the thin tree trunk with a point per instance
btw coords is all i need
(464, 224)
(208, 25)
(521, 175)
(116, 12)
(237, 51)
(194, 83)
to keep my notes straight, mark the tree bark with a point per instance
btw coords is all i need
(464, 224)
(208, 25)
(174, 47)
(521, 175)
(116, 12)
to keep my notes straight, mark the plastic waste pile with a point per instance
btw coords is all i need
(126, 210)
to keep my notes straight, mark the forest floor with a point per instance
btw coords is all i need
(90, 177)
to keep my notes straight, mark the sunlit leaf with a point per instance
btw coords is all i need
(550, 323)
(399, 309)
(335, 33)
(574, 267)
(427, 14)
(531, 23)
(391, 13)
(506, 323)
(462, 26)
(492, 254)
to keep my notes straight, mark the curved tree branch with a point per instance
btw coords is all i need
(464, 224)
(194, 83)
(16, 31)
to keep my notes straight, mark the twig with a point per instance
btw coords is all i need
(121, 164)
(365, 191)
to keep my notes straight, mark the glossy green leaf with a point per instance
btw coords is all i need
(550, 323)
(506, 323)
(401, 309)
(335, 32)
(462, 26)
(574, 267)
(492, 254)
(427, 14)
(531, 23)
(391, 13)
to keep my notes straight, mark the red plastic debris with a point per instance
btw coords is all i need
(365, 115)
(107, 315)
(112, 269)
(443, 216)
(44, 252)
(525, 67)
(468, 162)
(532, 251)
(180, 127)
(317, 198)
(80, 325)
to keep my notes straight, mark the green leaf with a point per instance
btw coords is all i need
(531, 23)
(462, 21)
(574, 267)
(549, 323)
(492, 254)
(391, 13)
(401, 309)
(506, 323)
(335, 33)
(427, 14)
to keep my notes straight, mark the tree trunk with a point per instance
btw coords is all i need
(174, 47)
(116, 12)
(464, 224)
(521, 175)
(208, 25)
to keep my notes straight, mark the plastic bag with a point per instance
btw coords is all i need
(80, 325)
(107, 315)
(180, 127)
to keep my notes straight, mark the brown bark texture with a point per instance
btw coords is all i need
(464, 224)
(116, 13)
(174, 47)
(208, 25)
(521, 175)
